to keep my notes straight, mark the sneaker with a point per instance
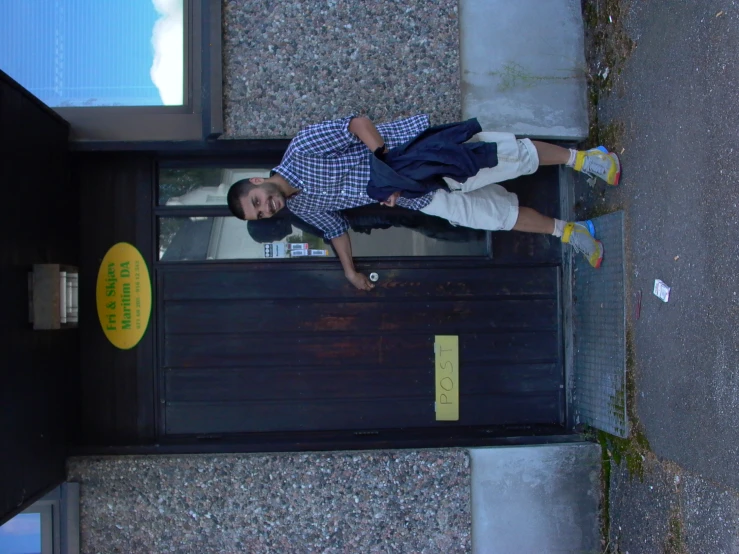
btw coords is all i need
(599, 162)
(583, 242)
(588, 224)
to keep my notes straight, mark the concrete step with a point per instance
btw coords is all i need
(536, 499)
(523, 67)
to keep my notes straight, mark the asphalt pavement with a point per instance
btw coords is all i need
(677, 105)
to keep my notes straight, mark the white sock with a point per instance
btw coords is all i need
(559, 227)
(573, 156)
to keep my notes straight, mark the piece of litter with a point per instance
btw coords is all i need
(623, 150)
(677, 258)
(610, 19)
(604, 74)
(661, 290)
(719, 14)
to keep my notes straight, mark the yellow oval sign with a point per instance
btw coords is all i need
(123, 295)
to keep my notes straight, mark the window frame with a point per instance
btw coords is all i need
(49, 525)
(163, 211)
(60, 519)
(198, 119)
(266, 162)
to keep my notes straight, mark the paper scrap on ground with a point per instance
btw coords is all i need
(661, 290)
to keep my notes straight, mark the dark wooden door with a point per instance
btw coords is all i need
(293, 347)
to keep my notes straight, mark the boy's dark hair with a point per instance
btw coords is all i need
(237, 191)
(271, 229)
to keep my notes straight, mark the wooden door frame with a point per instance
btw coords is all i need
(151, 409)
(312, 441)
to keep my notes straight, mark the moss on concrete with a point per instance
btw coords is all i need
(675, 540)
(609, 47)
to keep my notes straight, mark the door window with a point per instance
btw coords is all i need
(194, 224)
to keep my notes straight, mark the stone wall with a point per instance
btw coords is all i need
(394, 501)
(289, 63)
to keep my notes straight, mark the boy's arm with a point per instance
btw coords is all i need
(366, 131)
(343, 247)
(333, 224)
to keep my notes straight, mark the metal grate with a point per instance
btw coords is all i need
(599, 317)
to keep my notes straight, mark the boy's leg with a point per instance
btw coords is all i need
(518, 157)
(493, 208)
(596, 162)
(551, 154)
(531, 221)
(576, 234)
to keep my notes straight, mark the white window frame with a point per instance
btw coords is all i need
(199, 118)
(60, 519)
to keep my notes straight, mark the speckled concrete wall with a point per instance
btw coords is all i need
(339, 502)
(288, 63)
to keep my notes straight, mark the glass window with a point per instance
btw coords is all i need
(21, 535)
(49, 526)
(83, 53)
(224, 238)
(375, 230)
(200, 186)
(188, 187)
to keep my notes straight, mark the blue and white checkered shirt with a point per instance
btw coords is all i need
(331, 168)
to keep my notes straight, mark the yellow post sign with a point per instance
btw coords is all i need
(447, 377)
(123, 296)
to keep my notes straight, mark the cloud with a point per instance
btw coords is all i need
(167, 38)
(23, 524)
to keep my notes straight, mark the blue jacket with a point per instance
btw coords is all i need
(417, 167)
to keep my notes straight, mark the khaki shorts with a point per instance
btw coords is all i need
(480, 203)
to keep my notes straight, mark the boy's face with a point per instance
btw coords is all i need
(264, 200)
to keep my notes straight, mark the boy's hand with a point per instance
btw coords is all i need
(359, 280)
(391, 200)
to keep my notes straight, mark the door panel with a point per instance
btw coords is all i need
(254, 349)
(444, 316)
(351, 414)
(333, 349)
(240, 384)
(291, 282)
